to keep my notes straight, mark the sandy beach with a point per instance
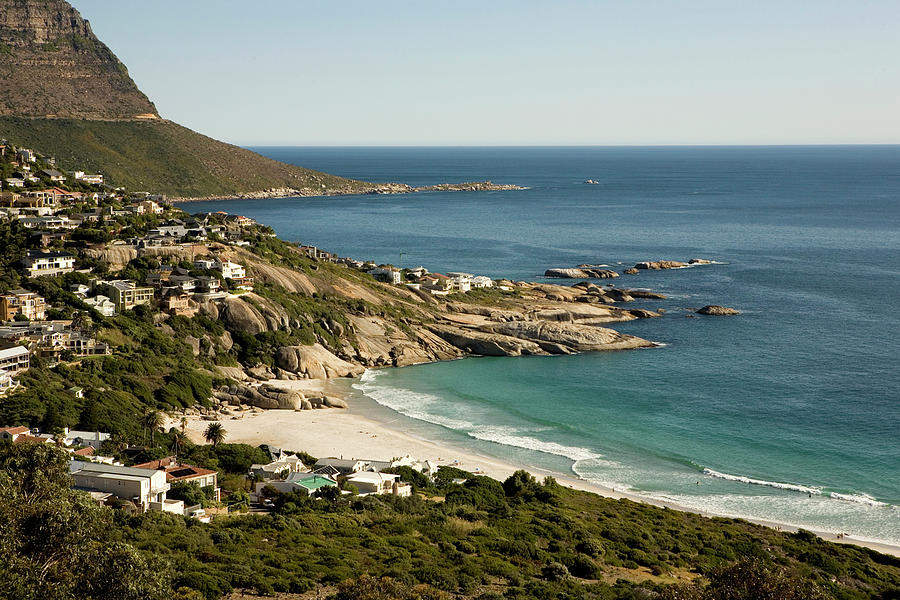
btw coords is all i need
(343, 434)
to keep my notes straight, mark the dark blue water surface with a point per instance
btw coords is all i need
(790, 411)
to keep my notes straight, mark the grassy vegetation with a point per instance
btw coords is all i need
(162, 156)
(516, 539)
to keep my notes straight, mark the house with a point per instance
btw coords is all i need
(343, 466)
(436, 283)
(240, 220)
(15, 182)
(418, 272)
(370, 482)
(102, 304)
(125, 294)
(13, 433)
(15, 360)
(174, 228)
(182, 473)
(461, 282)
(278, 469)
(39, 263)
(205, 263)
(310, 483)
(22, 302)
(52, 339)
(7, 383)
(386, 274)
(208, 285)
(177, 302)
(144, 487)
(94, 439)
(25, 155)
(54, 175)
(480, 281)
(147, 207)
(88, 179)
(230, 270)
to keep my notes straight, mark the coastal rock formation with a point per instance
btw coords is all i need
(716, 310)
(485, 343)
(657, 265)
(646, 294)
(699, 261)
(631, 271)
(572, 336)
(266, 396)
(472, 186)
(581, 273)
(315, 362)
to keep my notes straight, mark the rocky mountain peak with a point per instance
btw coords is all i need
(52, 64)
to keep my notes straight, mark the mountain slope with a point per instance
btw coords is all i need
(162, 156)
(64, 93)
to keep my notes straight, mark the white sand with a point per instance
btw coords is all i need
(343, 434)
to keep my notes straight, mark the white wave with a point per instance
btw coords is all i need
(585, 475)
(805, 489)
(412, 404)
(858, 498)
(510, 436)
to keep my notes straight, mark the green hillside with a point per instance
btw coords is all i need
(162, 156)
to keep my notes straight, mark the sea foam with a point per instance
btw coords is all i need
(805, 489)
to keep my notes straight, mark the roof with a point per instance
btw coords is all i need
(13, 352)
(14, 430)
(314, 482)
(40, 254)
(338, 462)
(101, 470)
(174, 470)
(85, 451)
(372, 477)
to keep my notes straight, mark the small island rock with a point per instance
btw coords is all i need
(716, 310)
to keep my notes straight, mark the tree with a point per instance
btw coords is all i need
(55, 542)
(153, 420)
(215, 434)
(179, 439)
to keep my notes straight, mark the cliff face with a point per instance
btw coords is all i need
(52, 64)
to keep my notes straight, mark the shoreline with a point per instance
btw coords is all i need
(344, 433)
(372, 189)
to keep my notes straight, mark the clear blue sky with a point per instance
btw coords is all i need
(354, 72)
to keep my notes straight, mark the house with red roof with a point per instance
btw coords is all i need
(177, 472)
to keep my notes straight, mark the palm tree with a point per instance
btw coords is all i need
(183, 423)
(153, 420)
(215, 434)
(179, 439)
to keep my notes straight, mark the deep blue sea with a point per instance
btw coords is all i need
(788, 412)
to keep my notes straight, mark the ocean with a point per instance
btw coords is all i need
(788, 412)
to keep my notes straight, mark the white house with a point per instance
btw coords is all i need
(369, 482)
(386, 274)
(102, 305)
(461, 281)
(230, 270)
(94, 439)
(39, 263)
(15, 360)
(141, 486)
(480, 281)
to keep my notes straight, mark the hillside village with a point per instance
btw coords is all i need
(65, 220)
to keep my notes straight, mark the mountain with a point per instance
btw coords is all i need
(64, 93)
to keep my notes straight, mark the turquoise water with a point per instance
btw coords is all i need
(789, 412)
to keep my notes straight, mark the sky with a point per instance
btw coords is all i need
(517, 72)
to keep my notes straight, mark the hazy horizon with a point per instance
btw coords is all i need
(515, 73)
